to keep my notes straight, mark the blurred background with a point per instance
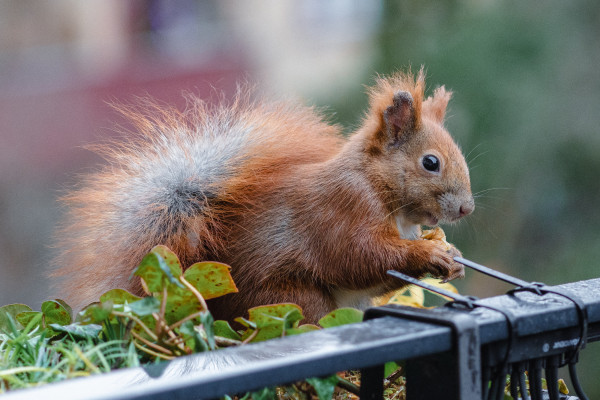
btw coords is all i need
(526, 107)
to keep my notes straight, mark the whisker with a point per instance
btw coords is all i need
(398, 209)
(477, 156)
(490, 189)
(415, 209)
(472, 150)
(488, 197)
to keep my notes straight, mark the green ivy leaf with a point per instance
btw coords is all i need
(11, 311)
(207, 323)
(159, 268)
(95, 313)
(55, 313)
(212, 279)
(292, 318)
(265, 315)
(26, 317)
(192, 337)
(302, 329)
(324, 386)
(78, 331)
(67, 307)
(389, 368)
(145, 306)
(223, 329)
(272, 320)
(170, 258)
(119, 296)
(180, 304)
(244, 322)
(341, 316)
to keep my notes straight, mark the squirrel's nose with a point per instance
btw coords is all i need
(466, 208)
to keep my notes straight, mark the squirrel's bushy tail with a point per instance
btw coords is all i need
(159, 186)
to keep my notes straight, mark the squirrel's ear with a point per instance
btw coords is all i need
(400, 116)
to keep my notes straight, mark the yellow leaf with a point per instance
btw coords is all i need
(412, 296)
(417, 294)
(562, 387)
(405, 301)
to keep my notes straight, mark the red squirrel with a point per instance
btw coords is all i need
(300, 213)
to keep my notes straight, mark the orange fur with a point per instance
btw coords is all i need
(301, 214)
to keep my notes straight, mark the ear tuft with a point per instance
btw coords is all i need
(435, 106)
(395, 108)
(400, 116)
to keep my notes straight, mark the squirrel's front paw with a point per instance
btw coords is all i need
(441, 262)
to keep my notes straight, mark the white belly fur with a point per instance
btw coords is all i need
(407, 230)
(360, 299)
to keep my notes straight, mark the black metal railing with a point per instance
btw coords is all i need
(460, 352)
(480, 371)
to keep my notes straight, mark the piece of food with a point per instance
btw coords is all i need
(436, 233)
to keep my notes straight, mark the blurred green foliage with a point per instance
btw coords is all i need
(527, 91)
(526, 111)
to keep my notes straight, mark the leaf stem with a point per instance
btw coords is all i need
(175, 341)
(137, 321)
(148, 351)
(226, 342)
(153, 345)
(252, 336)
(163, 303)
(145, 286)
(195, 292)
(189, 317)
(165, 328)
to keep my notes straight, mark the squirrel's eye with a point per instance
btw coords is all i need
(431, 163)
